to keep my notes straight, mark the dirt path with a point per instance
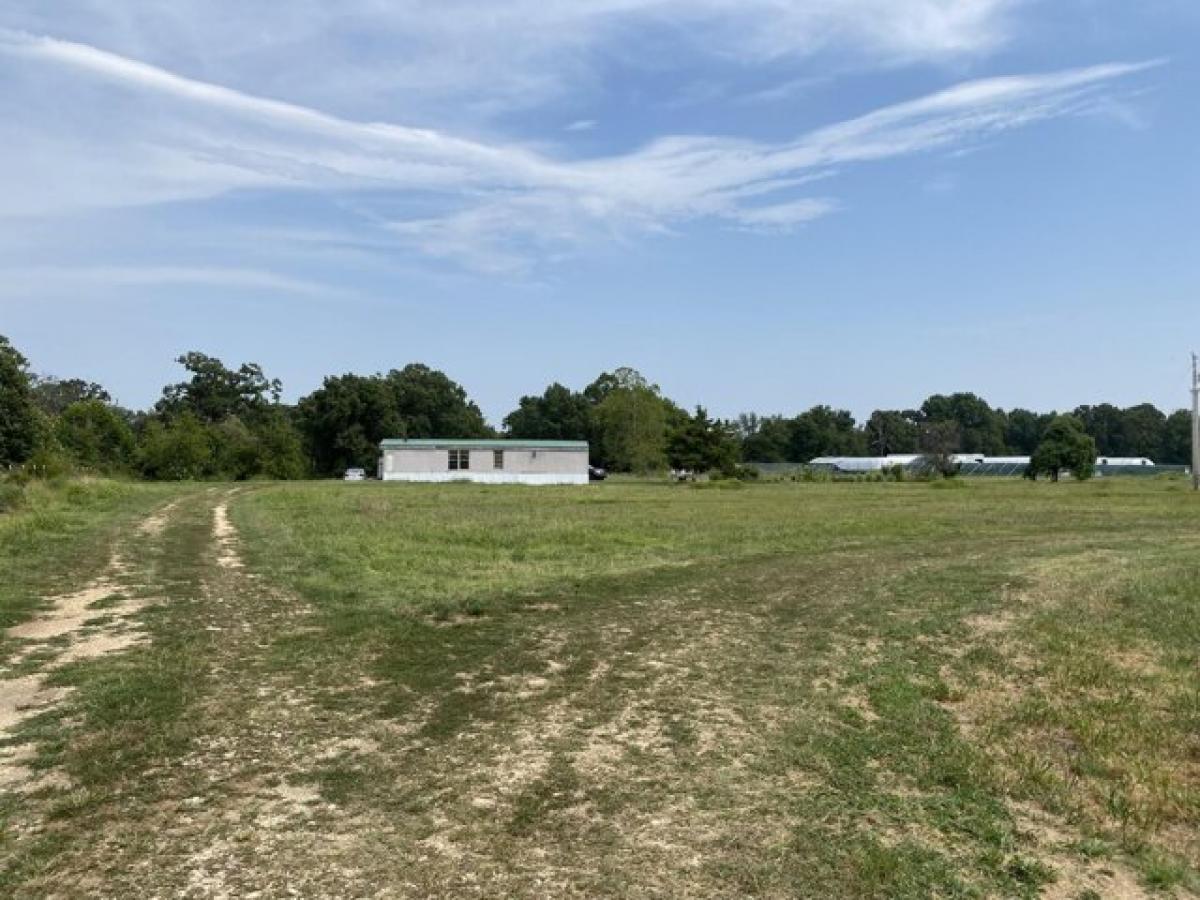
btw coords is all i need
(229, 815)
(236, 818)
(99, 619)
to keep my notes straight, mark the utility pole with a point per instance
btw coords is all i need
(1195, 424)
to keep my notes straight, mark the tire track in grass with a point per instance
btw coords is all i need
(140, 724)
(232, 814)
(99, 619)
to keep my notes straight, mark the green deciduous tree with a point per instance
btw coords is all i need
(1143, 428)
(980, 428)
(606, 382)
(891, 431)
(701, 444)
(1104, 424)
(1176, 447)
(54, 395)
(631, 427)
(281, 450)
(821, 431)
(236, 450)
(558, 414)
(1024, 429)
(824, 431)
(766, 439)
(938, 443)
(215, 392)
(96, 436)
(226, 423)
(20, 422)
(177, 449)
(1065, 447)
(344, 420)
(431, 405)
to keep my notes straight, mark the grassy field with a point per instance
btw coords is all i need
(986, 689)
(59, 532)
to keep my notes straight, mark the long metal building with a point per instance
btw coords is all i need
(484, 461)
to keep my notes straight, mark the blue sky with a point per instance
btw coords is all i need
(761, 204)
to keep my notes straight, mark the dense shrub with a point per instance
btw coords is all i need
(47, 463)
(176, 451)
(95, 436)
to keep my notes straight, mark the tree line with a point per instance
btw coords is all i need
(962, 423)
(224, 422)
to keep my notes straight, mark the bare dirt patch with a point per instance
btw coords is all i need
(101, 643)
(1076, 874)
(67, 613)
(94, 621)
(156, 523)
(14, 762)
(228, 556)
(23, 697)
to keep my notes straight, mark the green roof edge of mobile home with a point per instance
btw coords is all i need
(484, 443)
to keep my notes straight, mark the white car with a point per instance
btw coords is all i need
(355, 475)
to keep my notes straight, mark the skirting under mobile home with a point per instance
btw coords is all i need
(486, 462)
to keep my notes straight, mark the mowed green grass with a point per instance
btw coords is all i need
(969, 689)
(453, 547)
(957, 689)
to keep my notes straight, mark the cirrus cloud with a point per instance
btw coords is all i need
(141, 134)
(360, 56)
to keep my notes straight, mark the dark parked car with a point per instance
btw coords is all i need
(595, 473)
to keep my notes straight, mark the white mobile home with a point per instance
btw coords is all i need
(488, 462)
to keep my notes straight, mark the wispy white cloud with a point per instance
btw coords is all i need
(37, 280)
(582, 125)
(423, 151)
(431, 54)
(783, 216)
(1124, 110)
(154, 136)
(785, 90)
